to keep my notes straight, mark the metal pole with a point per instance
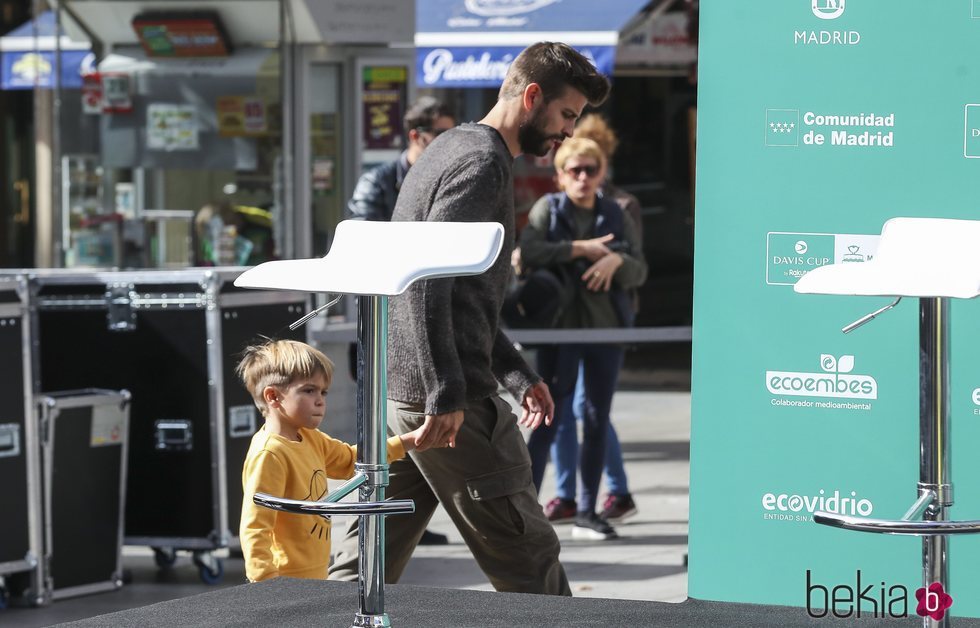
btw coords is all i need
(372, 458)
(934, 470)
(284, 232)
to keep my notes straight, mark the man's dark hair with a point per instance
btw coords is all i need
(424, 112)
(554, 66)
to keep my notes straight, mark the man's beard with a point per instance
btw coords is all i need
(532, 138)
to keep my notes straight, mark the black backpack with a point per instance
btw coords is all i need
(535, 301)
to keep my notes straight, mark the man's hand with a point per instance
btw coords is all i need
(439, 430)
(538, 406)
(592, 250)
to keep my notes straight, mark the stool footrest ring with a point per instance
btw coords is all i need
(328, 509)
(896, 526)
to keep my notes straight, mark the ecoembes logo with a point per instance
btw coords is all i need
(877, 600)
(836, 380)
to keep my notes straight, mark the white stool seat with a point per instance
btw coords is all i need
(916, 257)
(385, 258)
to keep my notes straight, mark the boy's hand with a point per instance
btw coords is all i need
(438, 430)
(538, 406)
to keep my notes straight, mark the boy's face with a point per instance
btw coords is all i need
(303, 402)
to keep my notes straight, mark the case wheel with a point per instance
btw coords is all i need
(210, 569)
(165, 557)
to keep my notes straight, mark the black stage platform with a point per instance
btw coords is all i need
(285, 602)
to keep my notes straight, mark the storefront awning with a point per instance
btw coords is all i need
(250, 62)
(28, 56)
(470, 43)
(256, 22)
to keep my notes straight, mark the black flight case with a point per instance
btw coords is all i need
(84, 439)
(172, 339)
(21, 532)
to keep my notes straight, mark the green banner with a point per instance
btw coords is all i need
(818, 120)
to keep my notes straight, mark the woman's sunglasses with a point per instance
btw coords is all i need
(590, 171)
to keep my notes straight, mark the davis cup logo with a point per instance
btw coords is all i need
(835, 381)
(826, 9)
(498, 8)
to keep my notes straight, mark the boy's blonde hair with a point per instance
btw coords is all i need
(280, 363)
(578, 147)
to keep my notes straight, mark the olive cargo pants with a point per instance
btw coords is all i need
(484, 483)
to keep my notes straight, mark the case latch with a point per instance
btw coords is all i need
(119, 298)
(174, 435)
(9, 440)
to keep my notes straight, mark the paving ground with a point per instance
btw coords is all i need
(646, 563)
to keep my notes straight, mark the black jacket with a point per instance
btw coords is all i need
(375, 193)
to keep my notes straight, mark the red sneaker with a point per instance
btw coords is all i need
(559, 509)
(618, 507)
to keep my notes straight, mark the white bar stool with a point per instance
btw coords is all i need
(375, 260)
(934, 259)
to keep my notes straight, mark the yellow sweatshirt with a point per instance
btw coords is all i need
(281, 543)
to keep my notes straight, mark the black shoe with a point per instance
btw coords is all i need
(433, 538)
(591, 527)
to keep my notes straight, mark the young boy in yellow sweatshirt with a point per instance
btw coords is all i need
(289, 457)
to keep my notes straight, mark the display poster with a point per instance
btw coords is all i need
(322, 176)
(171, 127)
(384, 95)
(241, 116)
(116, 95)
(92, 93)
(818, 120)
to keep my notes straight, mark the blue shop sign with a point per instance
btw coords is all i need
(486, 66)
(470, 43)
(20, 69)
(538, 16)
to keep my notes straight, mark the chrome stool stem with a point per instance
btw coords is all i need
(934, 448)
(935, 483)
(372, 396)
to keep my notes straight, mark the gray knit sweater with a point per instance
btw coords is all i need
(445, 347)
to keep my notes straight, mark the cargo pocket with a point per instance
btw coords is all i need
(496, 503)
(404, 418)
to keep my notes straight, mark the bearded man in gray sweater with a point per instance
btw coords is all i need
(447, 355)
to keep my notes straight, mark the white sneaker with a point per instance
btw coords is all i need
(592, 527)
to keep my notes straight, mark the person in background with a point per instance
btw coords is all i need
(589, 242)
(618, 503)
(377, 189)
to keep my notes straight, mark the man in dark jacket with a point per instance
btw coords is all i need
(376, 190)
